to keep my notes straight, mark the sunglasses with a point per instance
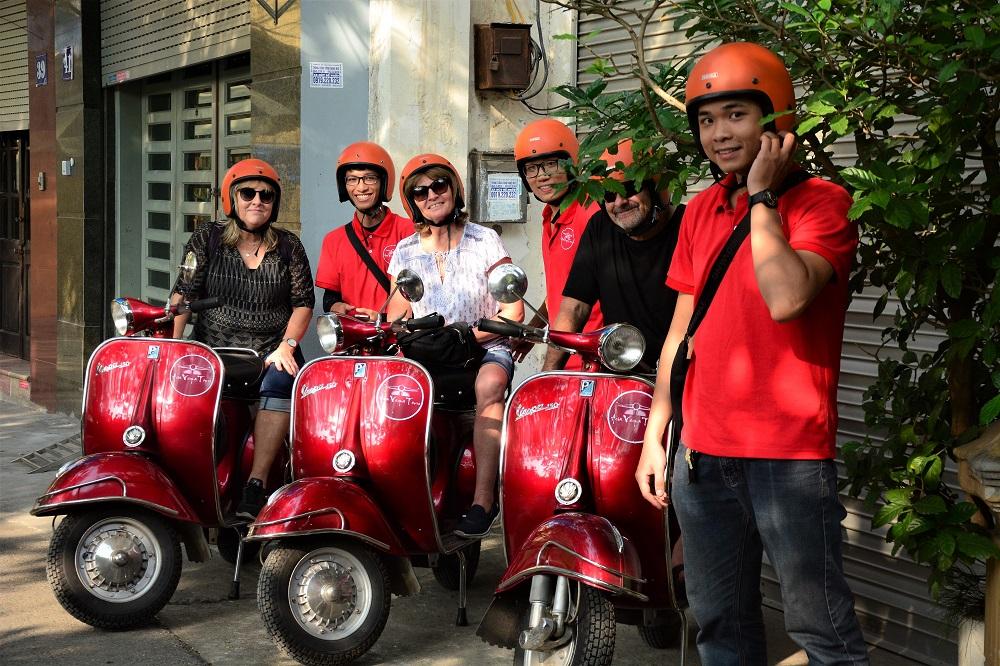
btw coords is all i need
(630, 191)
(248, 193)
(438, 186)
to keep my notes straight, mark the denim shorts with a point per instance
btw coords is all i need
(502, 357)
(276, 387)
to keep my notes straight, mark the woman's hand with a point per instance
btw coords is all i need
(283, 358)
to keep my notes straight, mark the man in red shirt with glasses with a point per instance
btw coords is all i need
(539, 150)
(354, 283)
(622, 263)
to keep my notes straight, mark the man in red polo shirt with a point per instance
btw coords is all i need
(538, 150)
(754, 467)
(365, 175)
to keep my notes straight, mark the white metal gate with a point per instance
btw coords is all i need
(195, 124)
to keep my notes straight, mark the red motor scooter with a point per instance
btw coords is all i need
(382, 473)
(584, 551)
(167, 442)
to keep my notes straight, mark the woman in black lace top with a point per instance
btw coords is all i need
(263, 278)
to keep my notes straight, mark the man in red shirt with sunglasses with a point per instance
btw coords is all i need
(538, 151)
(365, 175)
(622, 263)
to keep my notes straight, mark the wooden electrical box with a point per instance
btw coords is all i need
(503, 56)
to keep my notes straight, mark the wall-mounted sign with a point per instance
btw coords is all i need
(41, 69)
(326, 75)
(503, 198)
(67, 72)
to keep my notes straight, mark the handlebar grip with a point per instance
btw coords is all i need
(429, 321)
(205, 304)
(500, 328)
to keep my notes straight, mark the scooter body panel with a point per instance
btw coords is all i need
(159, 397)
(368, 419)
(588, 427)
(325, 505)
(580, 546)
(115, 477)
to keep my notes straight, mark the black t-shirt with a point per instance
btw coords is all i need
(628, 277)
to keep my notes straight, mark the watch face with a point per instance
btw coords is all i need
(292, 342)
(770, 199)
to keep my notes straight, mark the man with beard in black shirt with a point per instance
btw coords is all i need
(622, 262)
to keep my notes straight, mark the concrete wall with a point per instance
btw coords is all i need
(422, 97)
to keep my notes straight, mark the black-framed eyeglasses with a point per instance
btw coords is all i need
(630, 191)
(248, 193)
(367, 179)
(548, 167)
(437, 186)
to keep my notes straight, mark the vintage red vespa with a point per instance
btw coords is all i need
(167, 441)
(382, 472)
(583, 550)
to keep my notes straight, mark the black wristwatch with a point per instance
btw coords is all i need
(766, 197)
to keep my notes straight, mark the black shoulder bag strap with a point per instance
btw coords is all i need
(678, 371)
(379, 274)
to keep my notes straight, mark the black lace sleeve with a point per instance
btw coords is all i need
(301, 275)
(197, 243)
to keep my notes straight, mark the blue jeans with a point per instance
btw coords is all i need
(733, 511)
(276, 387)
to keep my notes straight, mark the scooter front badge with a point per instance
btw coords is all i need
(133, 436)
(587, 388)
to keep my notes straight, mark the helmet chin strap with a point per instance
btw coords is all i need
(259, 231)
(445, 222)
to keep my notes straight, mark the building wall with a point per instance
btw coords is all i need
(13, 73)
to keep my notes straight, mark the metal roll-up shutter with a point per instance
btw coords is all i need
(145, 37)
(13, 66)
(891, 596)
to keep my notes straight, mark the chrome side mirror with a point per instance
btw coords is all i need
(410, 285)
(507, 283)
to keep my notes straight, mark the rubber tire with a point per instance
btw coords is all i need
(274, 606)
(447, 570)
(60, 569)
(227, 545)
(593, 631)
(662, 636)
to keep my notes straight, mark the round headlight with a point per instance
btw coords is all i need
(121, 315)
(330, 332)
(621, 347)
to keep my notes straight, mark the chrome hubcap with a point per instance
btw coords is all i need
(118, 559)
(330, 593)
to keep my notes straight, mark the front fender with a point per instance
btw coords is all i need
(325, 505)
(114, 477)
(582, 547)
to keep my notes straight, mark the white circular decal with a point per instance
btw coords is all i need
(567, 238)
(399, 397)
(192, 375)
(628, 415)
(387, 253)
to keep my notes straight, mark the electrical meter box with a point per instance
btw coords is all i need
(503, 56)
(497, 193)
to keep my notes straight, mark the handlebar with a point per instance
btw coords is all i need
(500, 328)
(205, 304)
(429, 321)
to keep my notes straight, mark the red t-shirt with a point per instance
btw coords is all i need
(560, 240)
(757, 388)
(341, 269)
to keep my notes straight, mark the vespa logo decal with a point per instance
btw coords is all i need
(360, 370)
(628, 415)
(399, 397)
(521, 411)
(192, 375)
(567, 238)
(153, 351)
(309, 390)
(586, 388)
(101, 369)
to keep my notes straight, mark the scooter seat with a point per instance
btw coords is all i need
(244, 372)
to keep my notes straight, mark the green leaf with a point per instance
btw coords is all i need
(860, 178)
(976, 546)
(820, 107)
(932, 475)
(961, 512)
(859, 208)
(839, 125)
(930, 505)
(568, 36)
(948, 71)
(990, 411)
(899, 496)
(887, 514)
(945, 543)
(951, 279)
(808, 124)
(965, 328)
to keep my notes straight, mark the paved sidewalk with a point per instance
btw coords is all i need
(201, 626)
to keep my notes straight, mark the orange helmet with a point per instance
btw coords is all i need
(741, 69)
(366, 155)
(422, 163)
(546, 137)
(251, 169)
(623, 156)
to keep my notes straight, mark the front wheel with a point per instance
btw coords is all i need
(324, 604)
(592, 626)
(114, 568)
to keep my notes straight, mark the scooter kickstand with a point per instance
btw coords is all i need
(234, 588)
(462, 620)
